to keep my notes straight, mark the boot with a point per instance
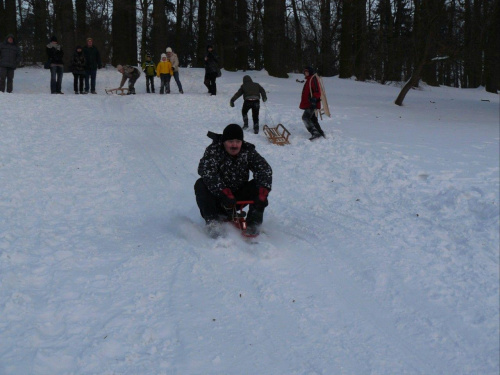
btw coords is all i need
(256, 128)
(148, 91)
(245, 126)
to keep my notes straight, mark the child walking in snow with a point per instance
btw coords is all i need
(251, 92)
(149, 68)
(165, 72)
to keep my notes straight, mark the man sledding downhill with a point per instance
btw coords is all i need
(310, 101)
(225, 170)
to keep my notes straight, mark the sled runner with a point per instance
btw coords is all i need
(278, 135)
(325, 110)
(238, 218)
(118, 90)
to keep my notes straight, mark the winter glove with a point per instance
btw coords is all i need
(227, 198)
(312, 103)
(261, 201)
(231, 103)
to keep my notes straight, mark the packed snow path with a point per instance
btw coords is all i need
(379, 253)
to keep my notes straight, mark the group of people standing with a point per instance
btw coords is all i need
(84, 65)
(166, 68)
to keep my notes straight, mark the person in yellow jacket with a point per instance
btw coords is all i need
(165, 72)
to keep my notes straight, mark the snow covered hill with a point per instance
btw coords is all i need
(380, 251)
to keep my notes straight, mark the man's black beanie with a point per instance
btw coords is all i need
(232, 131)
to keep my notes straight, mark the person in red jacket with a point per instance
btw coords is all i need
(310, 101)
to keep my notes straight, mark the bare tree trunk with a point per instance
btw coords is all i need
(10, 17)
(179, 45)
(124, 32)
(202, 33)
(274, 38)
(65, 29)
(81, 24)
(241, 35)
(425, 19)
(326, 54)
(346, 67)
(40, 29)
(492, 49)
(359, 40)
(298, 37)
(257, 31)
(3, 29)
(159, 33)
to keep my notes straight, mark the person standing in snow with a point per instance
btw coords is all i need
(211, 70)
(92, 63)
(251, 92)
(55, 55)
(310, 101)
(149, 69)
(132, 74)
(78, 69)
(224, 173)
(174, 60)
(165, 72)
(10, 57)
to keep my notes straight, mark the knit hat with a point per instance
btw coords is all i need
(163, 55)
(169, 49)
(89, 38)
(310, 69)
(232, 131)
(53, 39)
(119, 67)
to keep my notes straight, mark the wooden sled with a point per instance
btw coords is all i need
(278, 135)
(118, 91)
(325, 109)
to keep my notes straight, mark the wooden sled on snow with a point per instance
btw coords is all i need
(278, 135)
(118, 91)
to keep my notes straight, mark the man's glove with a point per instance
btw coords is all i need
(261, 201)
(231, 103)
(312, 103)
(227, 198)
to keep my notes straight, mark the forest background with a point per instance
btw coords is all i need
(442, 42)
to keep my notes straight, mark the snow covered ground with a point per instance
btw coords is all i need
(380, 251)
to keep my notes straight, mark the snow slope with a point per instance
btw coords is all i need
(380, 251)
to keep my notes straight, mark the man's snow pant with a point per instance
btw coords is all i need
(210, 82)
(254, 105)
(311, 122)
(6, 73)
(211, 207)
(150, 82)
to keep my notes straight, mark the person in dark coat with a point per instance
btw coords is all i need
(92, 63)
(10, 57)
(78, 68)
(55, 55)
(251, 92)
(310, 101)
(211, 70)
(224, 179)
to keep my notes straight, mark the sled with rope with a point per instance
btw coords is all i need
(277, 135)
(118, 91)
(238, 218)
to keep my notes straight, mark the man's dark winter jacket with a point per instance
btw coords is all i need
(10, 54)
(211, 63)
(55, 54)
(250, 90)
(219, 170)
(78, 63)
(92, 58)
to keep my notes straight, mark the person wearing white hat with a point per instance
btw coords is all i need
(174, 60)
